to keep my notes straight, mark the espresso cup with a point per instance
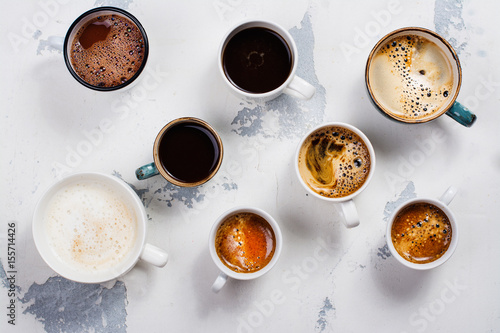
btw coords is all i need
(187, 152)
(335, 162)
(422, 233)
(105, 49)
(91, 228)
(413, 76)
(244, 243)
(258, 60)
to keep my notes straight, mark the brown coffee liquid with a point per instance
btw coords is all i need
(189, 152)
(245, 242)
(107, 51)
(334, 162)
(421, 233)
(257, 60)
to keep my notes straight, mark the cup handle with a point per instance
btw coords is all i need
(448, 195)
(351, 217)
(56, 42)
(300, 88)
(154, 255)
(146, 171)
(461, 114)
(219, 282)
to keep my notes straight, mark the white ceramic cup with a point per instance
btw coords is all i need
(293, 86)
(442, 203)
(225, 271)
(139, 250)
(351, 217)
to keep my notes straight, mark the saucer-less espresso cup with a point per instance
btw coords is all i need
(258, 60)
(91, 228)
(105, 49)
(187, 152)
(335, 162)
(413, 76)
(422, 233)
(244, 243)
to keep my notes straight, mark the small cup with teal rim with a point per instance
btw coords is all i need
(413, 76)
(187, 152)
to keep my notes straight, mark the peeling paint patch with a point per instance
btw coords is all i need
(322, 321)
(66, 306)
(294, 116)
(407, 194)
(448, 23)
(384, 252)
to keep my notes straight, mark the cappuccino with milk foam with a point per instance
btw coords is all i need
(90, 226)
(411, 77)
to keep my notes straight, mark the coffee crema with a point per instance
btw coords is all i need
(107, 51)
(334, 162)
(90, 227)
(411, 77)
(189, 152)
(245, 242)
(257, 60)
(421, 233)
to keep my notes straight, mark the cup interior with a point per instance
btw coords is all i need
(81, 21)
(42, 239)
(238, 275)
(454, 238)
(156, 151)
(368, 145)
(447, 51)
(262, 24)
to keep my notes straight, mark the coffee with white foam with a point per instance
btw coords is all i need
(90, 226)
(411, 77)
(334, 162)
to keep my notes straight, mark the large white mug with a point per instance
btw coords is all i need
(227, 272)
(331, 169)
(91, 228)
(259, 56)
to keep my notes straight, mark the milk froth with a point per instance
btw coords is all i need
(89, 226)
(411, 77)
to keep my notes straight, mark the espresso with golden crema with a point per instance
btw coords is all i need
(421, 233)
(334, 162)
(411, 78)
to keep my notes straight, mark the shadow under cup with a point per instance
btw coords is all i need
(413, 76)
(106, 49)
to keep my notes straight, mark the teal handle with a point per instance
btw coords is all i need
(461, 114)
(146, 171)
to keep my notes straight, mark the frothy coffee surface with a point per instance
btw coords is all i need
(334, 162)
(245, 242)
(89, 226)
(107, 51)
(421, 233)
(411, 77)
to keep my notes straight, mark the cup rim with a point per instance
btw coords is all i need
(447, 45)
(156, 147)
(248, 23)
(454, 240)
(247, 209)
(120, 11)
(370, 150)
(58, 265)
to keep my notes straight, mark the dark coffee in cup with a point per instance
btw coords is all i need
(245, 242)
(334, 162)
(421, 233)
(257, 60)
(106, 48)
(189, 152)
